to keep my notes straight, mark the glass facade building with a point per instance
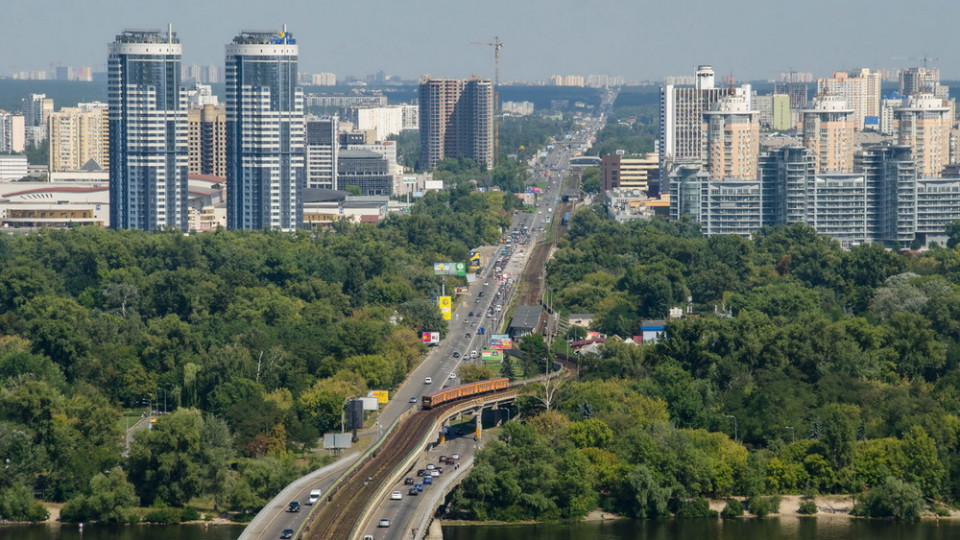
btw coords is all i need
(148, 132)
(265, 132)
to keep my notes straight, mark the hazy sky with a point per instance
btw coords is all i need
(639, 39)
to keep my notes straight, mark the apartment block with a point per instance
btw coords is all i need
(635, 173)
(456, 120)
(828, 130)
(78, 136)
(207, 140)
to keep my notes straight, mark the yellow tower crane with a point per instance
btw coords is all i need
(497, 45)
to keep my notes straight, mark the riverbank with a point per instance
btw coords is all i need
(828, 506)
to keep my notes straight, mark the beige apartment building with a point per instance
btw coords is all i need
(79, 135)
(207, 140)
(619, 172)
(859, 88)
(924, 124)
(731, 139)
(828, 133)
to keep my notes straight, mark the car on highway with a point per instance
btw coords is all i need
(453, 376)
(413, 492)
(427, 480)
(413, 399)
(396, 496)
(408, 481)
(421, 472)
(467, 335)
(419, 487)
(286, 533)
(384, 523)
(456, 354)
(455, 456)
(428, 380)
(294, 506)
(314, 496)
(431, 466)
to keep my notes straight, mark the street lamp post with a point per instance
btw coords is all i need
(735, 434)
(793, 434)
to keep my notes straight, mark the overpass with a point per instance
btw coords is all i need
(352, 498)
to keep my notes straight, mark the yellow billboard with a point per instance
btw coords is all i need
(446, 309)
(474, 261)
(383, 396)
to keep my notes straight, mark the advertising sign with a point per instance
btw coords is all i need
(449, 269)
(462, 290)
(383, 396)
(430, 338)
(446, 307)
(332, 441)
(500, 341)
(491, 356)
(475, 263)
(370, 403)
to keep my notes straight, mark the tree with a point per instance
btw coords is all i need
(110, 499)
(922, 466)
(649, 496)
(902, 501)
(475, 372)
(179, 457)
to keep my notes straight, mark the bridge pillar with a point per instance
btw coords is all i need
(478, 433)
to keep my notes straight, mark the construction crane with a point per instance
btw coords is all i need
(497, 45)
(924, 58)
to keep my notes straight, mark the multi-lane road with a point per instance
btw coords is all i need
(488, 300)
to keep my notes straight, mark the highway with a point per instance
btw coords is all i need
(444, 360)
(404, 514)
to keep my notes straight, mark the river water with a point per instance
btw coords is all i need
(119, 532)
(786, 528)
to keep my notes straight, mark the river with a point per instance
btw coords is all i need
(120, 532)
(786, 528)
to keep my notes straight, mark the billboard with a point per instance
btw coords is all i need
(333, 441)
(475, 262)
(500, 341)
(491, 356)
(462, 290)
(430, 338)
(383, 396)
(446, 310)
(449, 269)
(370, 403)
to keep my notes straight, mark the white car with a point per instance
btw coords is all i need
(384, 523)
(453, 375)
(396, 496)
(314, 496)
(428, 380)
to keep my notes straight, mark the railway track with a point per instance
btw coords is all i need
(339, 517)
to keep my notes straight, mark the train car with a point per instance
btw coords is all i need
(464, 390)
(566, 219)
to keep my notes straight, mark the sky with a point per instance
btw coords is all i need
(638, 39)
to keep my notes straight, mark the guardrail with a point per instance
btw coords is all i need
(398, 470)
(308, 523)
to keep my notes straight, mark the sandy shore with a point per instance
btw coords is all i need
(828, 506)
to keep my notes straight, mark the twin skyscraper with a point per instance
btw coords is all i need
(148, 132)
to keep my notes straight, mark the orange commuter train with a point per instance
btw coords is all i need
(464, 390)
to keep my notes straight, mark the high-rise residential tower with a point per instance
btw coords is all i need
(78, 135)
(681, 118)
(731, 139)
(924, 124)
(265, 132)
(322, 151)
(148, 132)
(456, 120)
(861, 90)
(207, 145)
(828, 133)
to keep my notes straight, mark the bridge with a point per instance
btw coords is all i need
(350, 501)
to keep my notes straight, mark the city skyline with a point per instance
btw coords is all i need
(628, 38)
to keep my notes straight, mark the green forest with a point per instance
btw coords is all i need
(801, 369)
(249, 341)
